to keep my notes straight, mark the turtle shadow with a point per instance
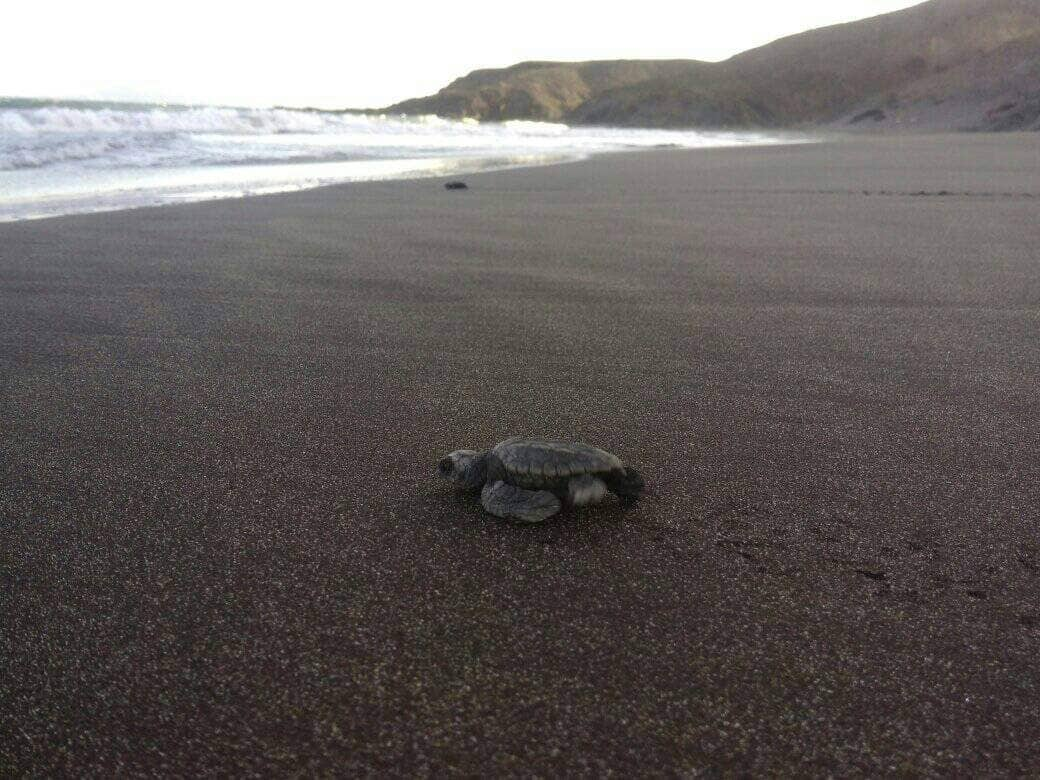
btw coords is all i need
(446, 508)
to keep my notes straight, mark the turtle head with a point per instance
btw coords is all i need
(466, 468)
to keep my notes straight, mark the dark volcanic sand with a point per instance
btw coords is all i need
(224, 549)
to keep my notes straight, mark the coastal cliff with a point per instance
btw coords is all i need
(944, 64)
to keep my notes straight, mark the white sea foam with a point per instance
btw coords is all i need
(53, 154)
(59, 119)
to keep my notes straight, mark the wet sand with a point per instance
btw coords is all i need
(223, 547)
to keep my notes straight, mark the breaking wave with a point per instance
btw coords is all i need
(150, 136)
(203, 119)
(63, 146)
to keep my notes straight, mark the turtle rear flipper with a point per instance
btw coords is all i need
(626, 483)
(585, 490)
(508, 501)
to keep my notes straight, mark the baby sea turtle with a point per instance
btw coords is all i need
(528, 479)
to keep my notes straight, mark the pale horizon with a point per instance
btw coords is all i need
(361, 58)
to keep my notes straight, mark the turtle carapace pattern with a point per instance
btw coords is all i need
(529, 479)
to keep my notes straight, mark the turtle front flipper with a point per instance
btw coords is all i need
(512, 503)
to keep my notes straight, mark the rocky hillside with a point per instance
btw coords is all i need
(944, 64)
(541, 90)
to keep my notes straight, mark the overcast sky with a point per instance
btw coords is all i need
(360, 54)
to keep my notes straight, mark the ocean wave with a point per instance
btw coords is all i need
(110, 137)
(23, 120)
(26, 152)
(537, 128)
(48, 148)
(240, 121)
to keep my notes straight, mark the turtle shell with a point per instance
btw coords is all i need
(549, 465)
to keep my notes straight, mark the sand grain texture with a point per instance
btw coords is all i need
(225, 550)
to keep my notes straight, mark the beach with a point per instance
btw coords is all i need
(224, 548)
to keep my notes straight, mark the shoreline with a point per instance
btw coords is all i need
(226, 550)
(822, 136)
(71, 159)
(475, 166)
